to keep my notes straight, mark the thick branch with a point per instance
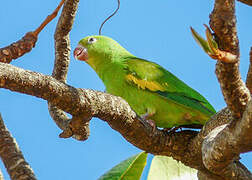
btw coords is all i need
(203, 175)
(12, 157)
(80, 103)
(248, 2)
(237, 170)
(221, 147)
(184, 146)
(62, 57)
(223, 23)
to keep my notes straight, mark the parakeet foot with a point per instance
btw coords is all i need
(146, 117)
(172, 130)
(152, 123)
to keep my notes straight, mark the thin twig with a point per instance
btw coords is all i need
(48, 19)
(25, 45)
(248, 2)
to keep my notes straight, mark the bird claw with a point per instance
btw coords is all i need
(145, 119)
(210, 46)
(171, 130)
(152, 124)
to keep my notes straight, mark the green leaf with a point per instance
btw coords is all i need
(210, 38)
(201, 41)
(130, 169)
(166, 168)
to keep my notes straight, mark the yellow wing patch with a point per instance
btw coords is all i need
(144, 84)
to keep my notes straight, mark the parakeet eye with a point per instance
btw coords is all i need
(91, 40)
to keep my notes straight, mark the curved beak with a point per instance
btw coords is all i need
(80, 53)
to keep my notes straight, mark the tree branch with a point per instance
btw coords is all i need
(248, 2)
(249, 75)
(222, 146)
(12, 157)
(223, 23)
(216, 147)
(1, 175)
(233, 138)
(82, 103)
(62, 41)
(197, 151)
(25, 45)
(205, 143)
(184, 146)
(18, 49)
(206, 175)
(62, 59)
(48, 19)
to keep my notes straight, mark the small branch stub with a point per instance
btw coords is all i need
(19, 48)
(78, 128)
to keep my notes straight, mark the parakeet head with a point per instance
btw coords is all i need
(97, 50)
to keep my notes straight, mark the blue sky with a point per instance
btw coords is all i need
(153, 30)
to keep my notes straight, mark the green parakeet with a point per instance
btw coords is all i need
(151, 91)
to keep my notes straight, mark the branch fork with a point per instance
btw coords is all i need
(214, 150)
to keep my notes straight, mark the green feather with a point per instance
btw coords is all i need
(175, 89)
(146, 86)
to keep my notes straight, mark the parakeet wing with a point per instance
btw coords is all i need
(150, 76)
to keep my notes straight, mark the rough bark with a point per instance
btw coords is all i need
(12, 157)
(19, 48)
(222, 146)
(62, 60)
(214, 151)
(223, 23)
(184, 146)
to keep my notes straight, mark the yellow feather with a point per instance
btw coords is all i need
(144, 84)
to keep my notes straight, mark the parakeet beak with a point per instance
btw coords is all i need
(80, 53)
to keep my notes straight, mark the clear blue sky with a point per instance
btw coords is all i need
(154, 30)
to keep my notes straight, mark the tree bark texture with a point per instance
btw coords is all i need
(214, 151)
(12, 157)
(184, 146)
